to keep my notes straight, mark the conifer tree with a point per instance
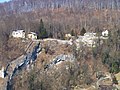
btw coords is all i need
(83, 31)
(42, 33)
(72, 33)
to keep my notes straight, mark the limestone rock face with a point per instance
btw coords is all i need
(2, 72)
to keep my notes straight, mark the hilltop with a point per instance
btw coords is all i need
(77, 62)
(53, 71)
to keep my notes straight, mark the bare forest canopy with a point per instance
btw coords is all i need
(59, 14)
(17, 6)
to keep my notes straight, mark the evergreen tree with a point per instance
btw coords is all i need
(72, 33)
(83, 31)
(42, 33)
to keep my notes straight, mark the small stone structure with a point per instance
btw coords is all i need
(32, 35)
(68, 36)
(18, 34)
(88, 40)
(105, 33)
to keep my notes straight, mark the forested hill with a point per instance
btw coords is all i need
(18, 6)
(59, 16)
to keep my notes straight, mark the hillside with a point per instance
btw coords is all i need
(77, 45)
(69, 64)
(56, 69)
(62, 74)
(14, 49)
